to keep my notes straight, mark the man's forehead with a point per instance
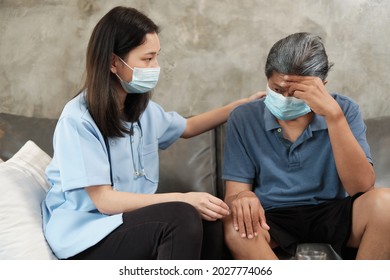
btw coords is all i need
(277, 79)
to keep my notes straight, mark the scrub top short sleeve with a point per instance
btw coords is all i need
(81, 154)
(170, 125)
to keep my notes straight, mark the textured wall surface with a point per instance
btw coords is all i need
(212, 51)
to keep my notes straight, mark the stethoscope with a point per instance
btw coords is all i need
(139, 170)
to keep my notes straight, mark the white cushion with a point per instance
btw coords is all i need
(22, 188)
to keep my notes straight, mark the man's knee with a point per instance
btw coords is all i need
(233, 238)
(230, 234)
(371, 225)
(378, 203)
(371, 210)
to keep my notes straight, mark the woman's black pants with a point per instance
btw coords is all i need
(166, 231)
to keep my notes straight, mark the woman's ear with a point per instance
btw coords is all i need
(114, 61)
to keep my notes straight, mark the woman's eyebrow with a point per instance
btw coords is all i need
(152, 52)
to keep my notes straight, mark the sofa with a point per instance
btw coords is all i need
(188, 165)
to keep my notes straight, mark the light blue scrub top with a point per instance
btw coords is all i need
(71, 222)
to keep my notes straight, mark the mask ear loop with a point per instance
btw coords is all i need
(126, 63)
(120, 79)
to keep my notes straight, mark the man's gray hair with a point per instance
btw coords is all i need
(300, 54)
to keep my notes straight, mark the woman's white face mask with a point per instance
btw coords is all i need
(143, 80)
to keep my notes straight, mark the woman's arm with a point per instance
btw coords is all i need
(211, 119)
(109, 201)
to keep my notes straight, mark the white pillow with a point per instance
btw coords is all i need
(22, 188)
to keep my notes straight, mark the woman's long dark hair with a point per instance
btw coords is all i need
(118, 32)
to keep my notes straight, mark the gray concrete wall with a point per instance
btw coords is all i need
(212, 51)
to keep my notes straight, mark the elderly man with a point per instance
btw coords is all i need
(297, 166)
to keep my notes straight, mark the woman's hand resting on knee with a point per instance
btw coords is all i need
(210, 207)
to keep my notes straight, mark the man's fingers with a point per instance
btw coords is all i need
(248, 224)
(235, 219)
(263, 221)
(255, 222)
(240, 222)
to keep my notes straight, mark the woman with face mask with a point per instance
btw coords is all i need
(104, 172)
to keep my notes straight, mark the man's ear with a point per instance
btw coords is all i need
(325, 82)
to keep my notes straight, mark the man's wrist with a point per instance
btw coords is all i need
(242, 193)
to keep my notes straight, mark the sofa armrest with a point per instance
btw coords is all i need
(16, 130)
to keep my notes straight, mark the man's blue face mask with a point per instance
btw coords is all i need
(285, 108)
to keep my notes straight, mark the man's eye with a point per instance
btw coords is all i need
(280, 90)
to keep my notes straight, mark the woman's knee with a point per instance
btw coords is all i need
(185, 216)
(183, 210)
